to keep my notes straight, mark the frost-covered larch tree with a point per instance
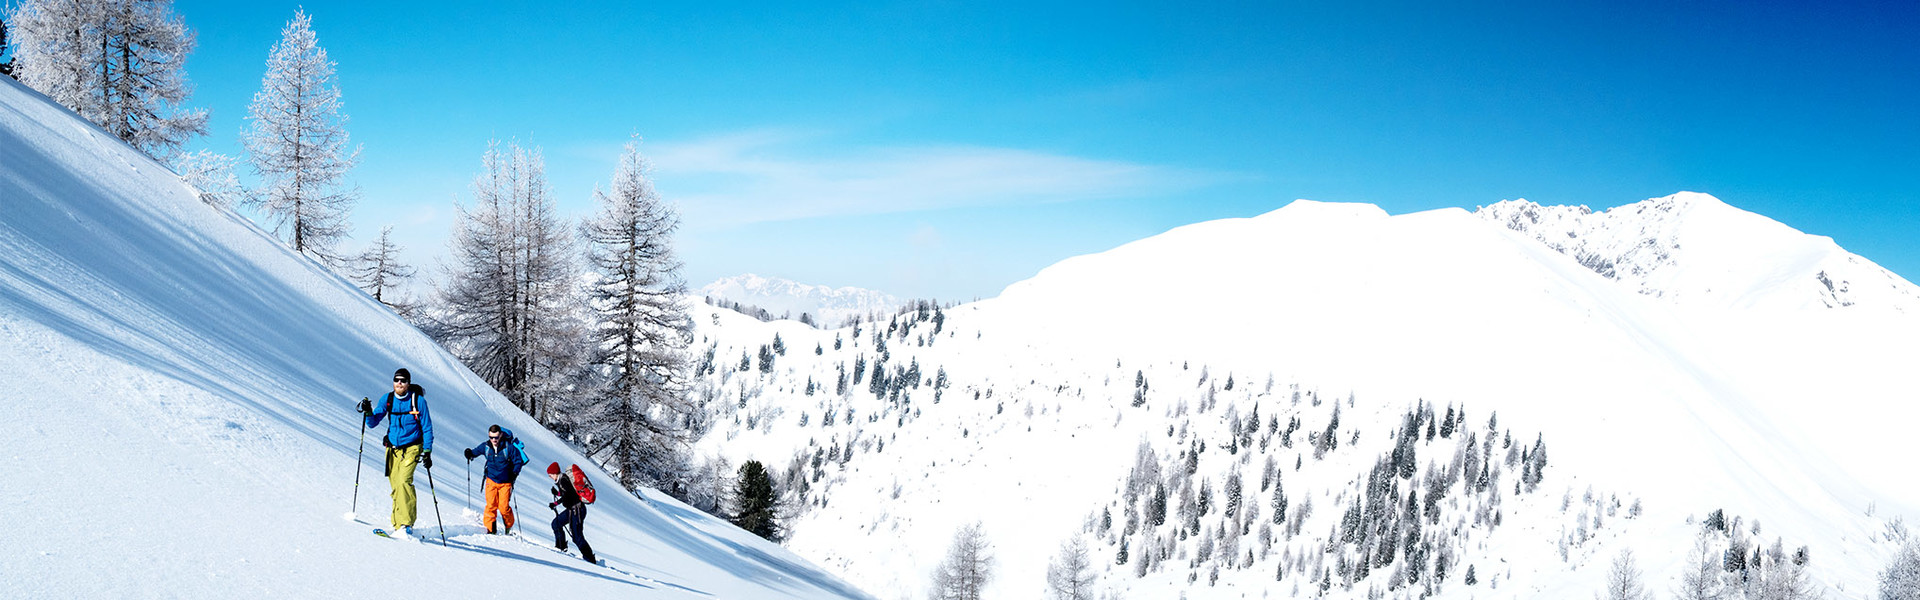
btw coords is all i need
(1901, 579)
(379, 271)
(512, 311)
(296, 139)
(1071, 576)
(968, 568)
(1623, 581)
(210, 174)
(642, 329)
(120, 64)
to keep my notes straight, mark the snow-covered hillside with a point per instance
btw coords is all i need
(828, 306)
(178, 391)
(1693, 249)
(1020, 412)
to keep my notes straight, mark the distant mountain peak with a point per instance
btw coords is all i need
(1694, 249)
(828, 306)
(1315, 209)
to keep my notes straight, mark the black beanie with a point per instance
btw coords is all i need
(403, 374)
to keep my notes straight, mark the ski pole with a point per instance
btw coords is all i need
(436, 506)
(359, 459)
(469, 483)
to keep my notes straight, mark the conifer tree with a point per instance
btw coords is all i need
(758, 511)
(1901, 579)
(1071, 576)
(643, 328)
(1232, 493)
(1536, 463)
(211, 174)
(968, 568)
(119, 64)
(296, 140)
(1157, 506)
(1279, 504)
(379, 271)
(513, 313)
(1700, 574)
(1623, 581)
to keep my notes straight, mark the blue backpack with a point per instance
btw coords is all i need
(513, 441)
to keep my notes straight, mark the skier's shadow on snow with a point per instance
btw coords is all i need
(524, 558)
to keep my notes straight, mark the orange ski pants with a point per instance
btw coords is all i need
(499, 500)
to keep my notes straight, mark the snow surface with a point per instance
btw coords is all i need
(1793, 418)
(179, 389)
(829, 306)
(1693, 249)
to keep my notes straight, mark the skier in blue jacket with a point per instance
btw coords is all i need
(409, 442)
(504, 460)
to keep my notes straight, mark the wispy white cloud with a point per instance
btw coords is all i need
(772, 175)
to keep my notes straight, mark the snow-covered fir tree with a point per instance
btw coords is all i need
(639, 415)
(120, 64)
(379, 271)
(296, 140)
(512, 311)
(757, 504)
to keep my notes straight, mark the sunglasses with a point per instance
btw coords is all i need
(400, 380)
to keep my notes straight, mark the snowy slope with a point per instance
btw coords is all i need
(1790, 417)
(1693, 249)
(178, 390)
(829, 306)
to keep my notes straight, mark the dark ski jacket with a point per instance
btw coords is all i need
(503, 463)
(405, 429)
(563, 493)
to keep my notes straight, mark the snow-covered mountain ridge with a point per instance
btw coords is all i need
(828, 306)
(1787, 417)
(1693, 249)
(179, 390)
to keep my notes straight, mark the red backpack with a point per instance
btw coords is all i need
(580, 484)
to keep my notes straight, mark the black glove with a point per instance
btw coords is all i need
(366, 407)
(469, 453)
(426, 458)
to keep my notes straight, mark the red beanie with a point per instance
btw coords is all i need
(553, 468)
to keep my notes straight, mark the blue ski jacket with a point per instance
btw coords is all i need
(503, 463)
(405, 429)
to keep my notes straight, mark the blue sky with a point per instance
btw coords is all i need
(939, 149)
